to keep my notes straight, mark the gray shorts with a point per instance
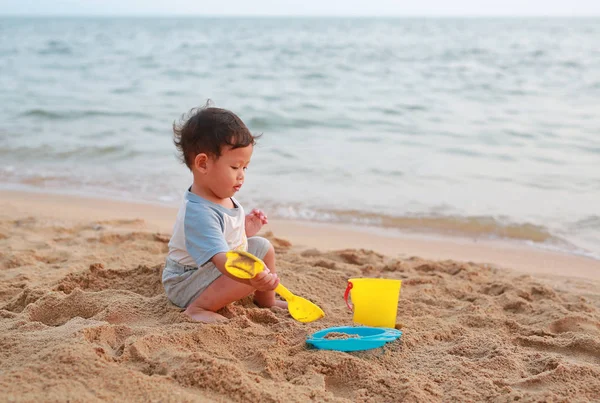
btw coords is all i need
(183, 284)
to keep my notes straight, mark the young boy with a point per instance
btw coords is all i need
(217, 147)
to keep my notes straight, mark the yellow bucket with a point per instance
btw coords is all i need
(375, 301)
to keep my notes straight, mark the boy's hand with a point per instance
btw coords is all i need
(254, 222)
(265, 281)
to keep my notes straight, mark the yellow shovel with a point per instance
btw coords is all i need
(245, 265)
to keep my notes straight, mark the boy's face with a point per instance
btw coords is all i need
(225, 175)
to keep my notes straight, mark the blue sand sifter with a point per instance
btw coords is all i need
(352, 338)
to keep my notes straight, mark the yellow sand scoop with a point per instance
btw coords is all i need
(245, 265)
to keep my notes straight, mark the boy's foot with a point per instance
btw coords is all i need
(281, 304)
(278, 303)
(205, 316)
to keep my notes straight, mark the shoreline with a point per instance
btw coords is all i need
(314, 235)
(476, 228)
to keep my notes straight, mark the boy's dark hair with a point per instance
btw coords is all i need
(207, 130)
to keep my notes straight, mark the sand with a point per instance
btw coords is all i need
(83, 317)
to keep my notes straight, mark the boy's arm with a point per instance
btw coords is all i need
(219, 261)
(263, 281)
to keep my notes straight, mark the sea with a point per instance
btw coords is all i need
(486, 128)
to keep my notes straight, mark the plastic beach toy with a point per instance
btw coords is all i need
(352, 338)
(375, 301)
(245, 265)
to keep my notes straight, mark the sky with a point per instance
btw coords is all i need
(303, 7)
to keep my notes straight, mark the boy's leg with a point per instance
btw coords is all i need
(218, 294)
(224, 290)
(267, 298)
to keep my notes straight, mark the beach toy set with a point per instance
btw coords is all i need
(375, 306)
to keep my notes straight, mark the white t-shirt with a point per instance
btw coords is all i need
(203, 229)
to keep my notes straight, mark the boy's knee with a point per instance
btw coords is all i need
(270, 250)
(260, 246)
(271, 247)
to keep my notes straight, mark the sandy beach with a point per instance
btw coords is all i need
(84, 316)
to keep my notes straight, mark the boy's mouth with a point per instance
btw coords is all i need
(237, 187)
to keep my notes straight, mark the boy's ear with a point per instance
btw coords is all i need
(201, 162)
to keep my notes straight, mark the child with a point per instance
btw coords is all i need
(216, 146)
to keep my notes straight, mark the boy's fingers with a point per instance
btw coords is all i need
(256, 213)
(260, 277)
(271, 284)
(266, 282)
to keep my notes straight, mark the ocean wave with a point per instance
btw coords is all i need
(463, 152)
(391, 112)
(170, 93)
(548, 160)
(282, 153)
(471, 226)
(56, 48)
(272, 98)
(123, 90)
(112, 151)
(395, 173)
(365, 139)
(88, 152)
(273, 123)
(412, 107)
(572, 64)
(590, 149)
(520, 134)
(184, 73)
(314, 76)
(311, 106)
(588, 223)
(9, 52)
(258, 76)
(70, 115)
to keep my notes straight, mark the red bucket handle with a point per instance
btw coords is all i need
(347, 293)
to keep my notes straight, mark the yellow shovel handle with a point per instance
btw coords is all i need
(284, 292)
(280, 289)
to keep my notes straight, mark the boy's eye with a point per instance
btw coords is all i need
(236, 168)
(245, 168)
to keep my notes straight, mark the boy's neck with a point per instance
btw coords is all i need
(206, 193)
